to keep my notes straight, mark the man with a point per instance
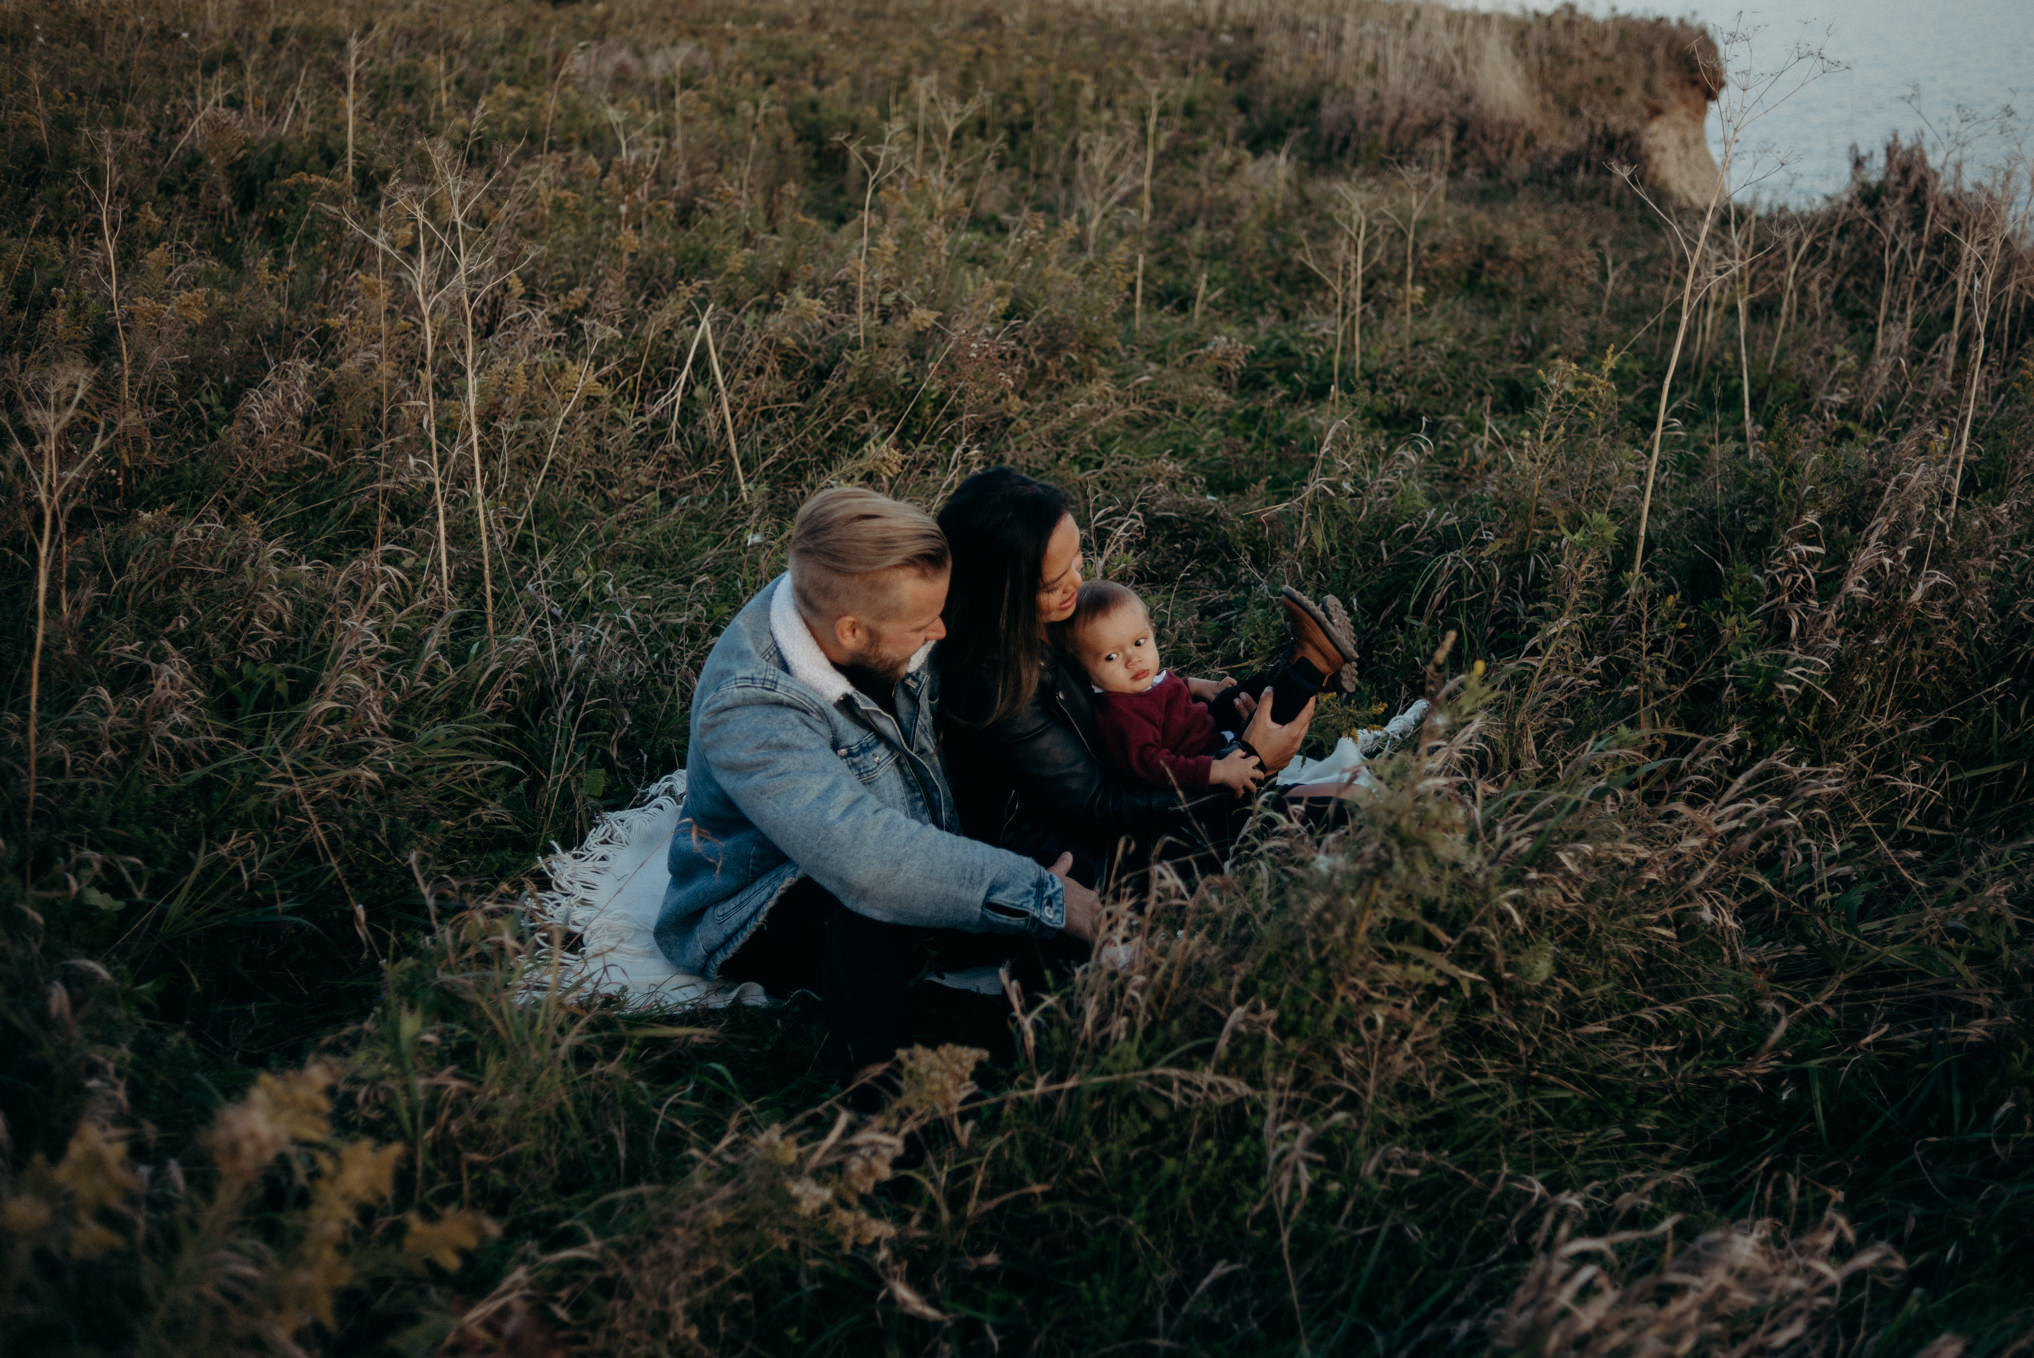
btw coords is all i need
(819, 846)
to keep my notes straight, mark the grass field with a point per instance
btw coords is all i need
(400, 398)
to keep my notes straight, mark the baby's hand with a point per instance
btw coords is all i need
(1237, 770)
(1207, 690)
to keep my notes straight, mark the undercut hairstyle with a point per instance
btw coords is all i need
(846, 539)
(999, 522)
(1097, 599)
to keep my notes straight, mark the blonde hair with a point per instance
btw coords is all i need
(845, 537)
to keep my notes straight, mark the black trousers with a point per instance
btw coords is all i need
(1292, 683)
(1216, 831)
(864, 970)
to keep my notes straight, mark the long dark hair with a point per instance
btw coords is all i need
(997, 525)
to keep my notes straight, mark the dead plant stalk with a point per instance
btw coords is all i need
(1144, 206)
(876, 172)
(419, 273)
(734, 456)
(109, 239)
(352, 77)
(1356, 232)
(1985, 255)
(1695, 258)
(52, 482)
(467, 266)
(1421, 185)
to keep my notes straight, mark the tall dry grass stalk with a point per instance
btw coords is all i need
(1421, 184)
(1749, 97)
(1345, 276)
(583, 375)
(885, 163)
(421, 271)
(1801, 239)
(109, 215)
(1152, 96)
(734, 452)
(50, 406)
(1695, 258)
(475, 274)
(1356, 234)
(1743, 259)
(352, 78)
(1978, 270)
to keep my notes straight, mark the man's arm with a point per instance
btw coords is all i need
(773, 753)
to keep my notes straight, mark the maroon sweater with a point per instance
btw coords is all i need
(1163, 735)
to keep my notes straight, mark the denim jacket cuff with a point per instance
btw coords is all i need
(1043, 914)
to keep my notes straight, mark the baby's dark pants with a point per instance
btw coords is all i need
(1292, 683)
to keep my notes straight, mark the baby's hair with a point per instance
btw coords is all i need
(1097, 599)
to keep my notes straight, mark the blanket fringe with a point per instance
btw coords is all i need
(587, 943)
(577, 876)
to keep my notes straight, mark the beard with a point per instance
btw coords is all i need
(879, 668)
(872, 679)
(874, 669)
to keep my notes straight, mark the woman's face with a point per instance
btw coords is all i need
(1061, 577)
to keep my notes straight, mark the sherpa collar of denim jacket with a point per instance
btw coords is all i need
(802, 656)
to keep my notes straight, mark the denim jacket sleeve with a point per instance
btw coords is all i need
(773, 753)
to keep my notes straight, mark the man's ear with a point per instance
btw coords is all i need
(849, 632)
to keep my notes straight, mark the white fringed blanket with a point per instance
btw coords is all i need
(602, 904)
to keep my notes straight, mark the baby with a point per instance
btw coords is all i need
(1182, 733)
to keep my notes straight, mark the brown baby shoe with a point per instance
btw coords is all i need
(1322, 636)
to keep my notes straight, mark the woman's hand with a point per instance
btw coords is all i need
(1207, 690)
(1276, 744)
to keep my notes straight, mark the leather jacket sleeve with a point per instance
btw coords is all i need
(1050, 765)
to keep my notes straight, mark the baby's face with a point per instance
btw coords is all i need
(1118, 651)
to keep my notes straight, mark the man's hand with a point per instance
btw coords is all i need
(1276, 744)
(1083, 907)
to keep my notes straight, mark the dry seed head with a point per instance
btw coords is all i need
(871, 1152)
(938, 1079)
(856, 1229)
(360, 1174)
(808, 1196)
(446, 1241)
(94, 1169)
(25, 1216)
(278, 1112)
(773, 1147)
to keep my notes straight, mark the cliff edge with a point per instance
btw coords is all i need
(1505, 94)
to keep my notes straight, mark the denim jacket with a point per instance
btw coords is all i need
(796, 773)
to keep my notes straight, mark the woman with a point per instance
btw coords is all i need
(1017, 720)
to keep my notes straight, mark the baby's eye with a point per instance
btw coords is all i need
(1110, 658)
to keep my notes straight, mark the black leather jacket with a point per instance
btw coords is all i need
(1033, 782)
